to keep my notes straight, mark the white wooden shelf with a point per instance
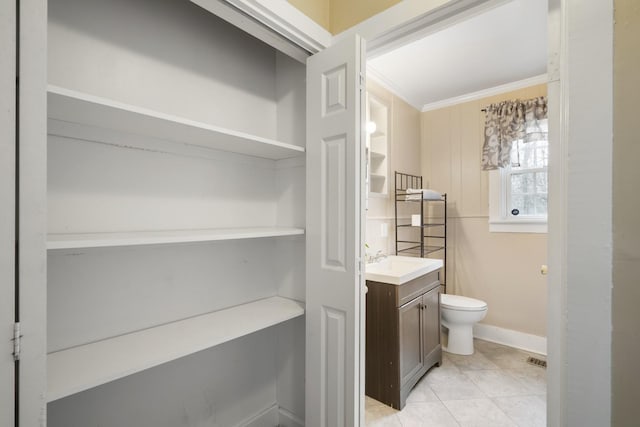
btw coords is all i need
(81, 368)
(138, 238)
(375, 176)
(74, 107)
(377, 156)
(378, 133)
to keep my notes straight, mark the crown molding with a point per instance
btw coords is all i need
(275, 22)
(287, 20)
(496, 90)
(387, 84)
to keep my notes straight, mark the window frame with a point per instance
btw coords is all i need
(500, 220)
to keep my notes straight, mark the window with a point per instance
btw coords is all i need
(518, 192)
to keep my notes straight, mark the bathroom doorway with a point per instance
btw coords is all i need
(432, 91)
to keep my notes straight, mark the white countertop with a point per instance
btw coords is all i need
(397, 270)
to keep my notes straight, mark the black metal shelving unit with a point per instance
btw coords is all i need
(432, 236)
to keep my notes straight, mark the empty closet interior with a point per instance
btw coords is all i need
(176, 216)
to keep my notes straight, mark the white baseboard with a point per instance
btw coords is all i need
(288, 419)
(273, 416)
(266, 418)
(511, 338)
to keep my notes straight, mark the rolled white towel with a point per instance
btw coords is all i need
(427, 194)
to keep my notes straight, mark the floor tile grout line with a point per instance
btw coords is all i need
(503, 411)
(529, 392)
(444, 404)
(450, 413)
(516, 373)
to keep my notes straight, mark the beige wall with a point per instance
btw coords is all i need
(626, 205)
(318, 10)
(502, 269)
(346, 14)
(404, 156)
(339, 15)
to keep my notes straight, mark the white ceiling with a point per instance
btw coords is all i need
(503, 45)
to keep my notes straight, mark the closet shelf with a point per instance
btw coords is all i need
(378, 176)
(87, 366)
(138, 238)
(377, 156)
(74, 107)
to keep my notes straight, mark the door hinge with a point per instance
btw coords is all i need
(16, 341)
(363, 82)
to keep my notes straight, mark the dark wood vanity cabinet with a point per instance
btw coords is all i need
(403, 336)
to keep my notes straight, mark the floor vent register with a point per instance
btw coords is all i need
(537, 362)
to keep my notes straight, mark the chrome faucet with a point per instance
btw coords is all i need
(379, 256)
(375, 258)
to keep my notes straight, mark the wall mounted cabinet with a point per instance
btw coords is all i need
(378, 145)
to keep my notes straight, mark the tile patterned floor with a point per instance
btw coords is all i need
(494, 387)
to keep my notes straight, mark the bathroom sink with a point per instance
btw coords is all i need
(397, 270)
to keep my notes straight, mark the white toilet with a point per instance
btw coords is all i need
(458, 315)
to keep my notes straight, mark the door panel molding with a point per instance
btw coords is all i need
(333, 365)
(333, 236)
(334, 208)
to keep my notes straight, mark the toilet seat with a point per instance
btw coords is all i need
(460, 303)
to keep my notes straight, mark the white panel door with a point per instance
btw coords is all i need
(334, 294)
(7, 206)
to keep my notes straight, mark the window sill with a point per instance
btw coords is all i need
(521, 226)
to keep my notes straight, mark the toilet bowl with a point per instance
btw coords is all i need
(458, 315)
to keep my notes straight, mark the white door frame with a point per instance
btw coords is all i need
(7, 207)
(580, 208)
(32, 199)
(556, 236)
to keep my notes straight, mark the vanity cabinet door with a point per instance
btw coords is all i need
(431, 321)
(411, 344)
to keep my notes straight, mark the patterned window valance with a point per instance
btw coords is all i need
(509, 121)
